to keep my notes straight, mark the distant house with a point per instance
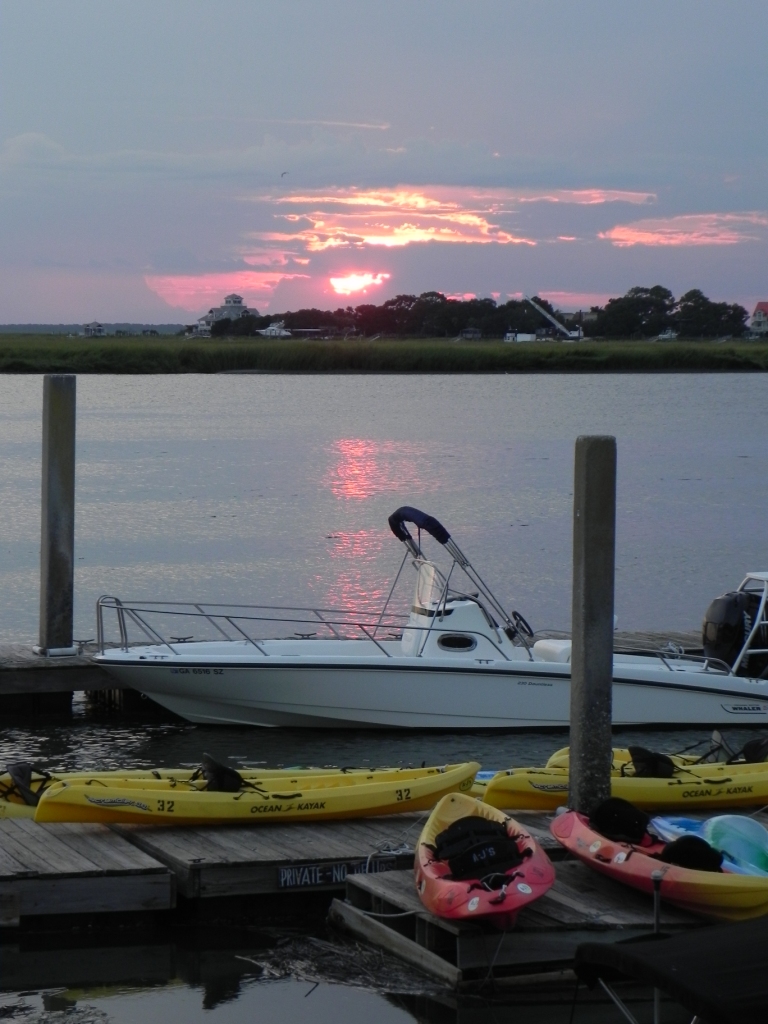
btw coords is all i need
(471, 334)
(94, 330)
(150, 332)
(233, 309)
(759, 323)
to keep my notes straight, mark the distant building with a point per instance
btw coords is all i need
(759, 323)
(519, 336)
(150, 332)
(94, 330)
(471, 334)
(232, 309)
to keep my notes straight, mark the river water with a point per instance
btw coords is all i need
(276, 489)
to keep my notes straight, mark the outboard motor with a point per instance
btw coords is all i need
(727, 623)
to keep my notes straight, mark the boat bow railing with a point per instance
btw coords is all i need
(245, 620)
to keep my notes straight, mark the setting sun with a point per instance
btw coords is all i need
(356, 282)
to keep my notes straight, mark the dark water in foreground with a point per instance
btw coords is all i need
(275, 978)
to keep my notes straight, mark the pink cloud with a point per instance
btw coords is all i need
(690, 229)
(573, 300)
(461, 296)
(198, 291)
(350, 284)
(352, 218)
(588, 196)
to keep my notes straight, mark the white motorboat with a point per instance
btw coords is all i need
(457, 661)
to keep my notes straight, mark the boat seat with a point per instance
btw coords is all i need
(553, 650)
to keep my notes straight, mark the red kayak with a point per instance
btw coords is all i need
(698, 884)
(473, 862)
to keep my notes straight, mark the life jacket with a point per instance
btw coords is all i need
(474, 847)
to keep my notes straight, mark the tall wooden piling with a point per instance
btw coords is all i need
(594, 548)
(57, 540)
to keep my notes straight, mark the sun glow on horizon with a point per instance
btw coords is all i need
(357, 282)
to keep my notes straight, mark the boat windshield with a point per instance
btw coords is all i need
(430, 586)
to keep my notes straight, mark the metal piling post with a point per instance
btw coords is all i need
(594, 547)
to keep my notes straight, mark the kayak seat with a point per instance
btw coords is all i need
(620, 821)
(650, 765)
(692, 852)
(220, 777)
(21, 776)
(753, 751)
(474, 847)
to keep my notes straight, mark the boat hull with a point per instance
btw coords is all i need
(388, 693)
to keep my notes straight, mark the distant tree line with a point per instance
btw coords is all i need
(641, 313)
(649, 312)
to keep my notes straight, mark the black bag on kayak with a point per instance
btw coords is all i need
(692, 852)
(753, 751)
(220, 777)
(474, 847)
(650, 765)
(619, 820)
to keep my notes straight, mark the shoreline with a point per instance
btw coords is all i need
(22, 354)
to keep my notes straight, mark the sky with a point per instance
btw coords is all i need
(157, 156)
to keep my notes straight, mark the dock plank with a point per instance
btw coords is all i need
(236, 860)
(39, 851)
(95, 844)
(580, 905)
(77, 869)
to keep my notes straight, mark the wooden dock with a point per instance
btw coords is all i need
(66, 870)
(72, 869)
(76, 869)
(272, 858)
(581, 906)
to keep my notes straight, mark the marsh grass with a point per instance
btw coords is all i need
(54, 354)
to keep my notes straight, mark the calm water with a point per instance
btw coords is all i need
(277, 488)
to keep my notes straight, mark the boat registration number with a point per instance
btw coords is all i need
(305, 876)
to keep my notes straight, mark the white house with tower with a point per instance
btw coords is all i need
(233, 309)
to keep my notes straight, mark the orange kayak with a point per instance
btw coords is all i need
(718, 894)
(475, 863)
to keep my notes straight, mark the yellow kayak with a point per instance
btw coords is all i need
(698, 787)
(22, 786)
(622, 756)
(184, 798)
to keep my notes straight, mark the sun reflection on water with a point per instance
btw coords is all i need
(356, 586)
(364, 468)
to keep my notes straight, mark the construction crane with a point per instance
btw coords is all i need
(576, 335)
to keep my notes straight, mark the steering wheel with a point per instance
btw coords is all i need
(522, 625)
